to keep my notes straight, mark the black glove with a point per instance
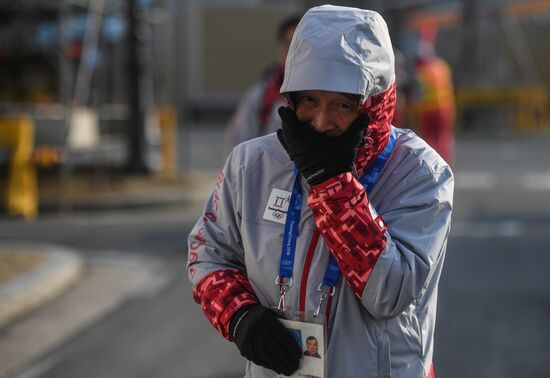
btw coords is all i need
(264, 340)
(318, 156)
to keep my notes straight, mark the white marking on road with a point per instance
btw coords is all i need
(487, 181)
(470, 180)
(155, 274)
(536, 181)
(469, 229)
(39, 369)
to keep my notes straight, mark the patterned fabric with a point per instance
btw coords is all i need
(221, 294)
(342, 214)
(380, 109)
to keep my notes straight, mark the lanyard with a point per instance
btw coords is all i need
(291, 229)
(371, 175)
(286, 265)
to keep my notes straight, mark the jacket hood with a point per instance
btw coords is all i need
(340, 49)
(347, 50)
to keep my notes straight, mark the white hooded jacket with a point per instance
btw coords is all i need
(387, 329)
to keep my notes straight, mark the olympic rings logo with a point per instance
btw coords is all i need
(277, 215)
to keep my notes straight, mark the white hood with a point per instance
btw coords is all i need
(340, 49)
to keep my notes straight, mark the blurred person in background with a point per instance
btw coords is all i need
(256, 113)
(362, 260)
(432, 101)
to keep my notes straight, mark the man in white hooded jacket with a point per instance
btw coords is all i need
(379, 203)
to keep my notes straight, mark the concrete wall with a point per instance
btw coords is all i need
(227, 49)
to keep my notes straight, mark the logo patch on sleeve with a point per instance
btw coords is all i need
(277, 206)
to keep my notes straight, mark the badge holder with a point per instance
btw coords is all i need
(309, 330)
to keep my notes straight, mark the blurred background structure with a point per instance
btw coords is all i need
(112, 126)
(108, 85)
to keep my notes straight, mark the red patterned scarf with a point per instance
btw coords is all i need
(380, 109)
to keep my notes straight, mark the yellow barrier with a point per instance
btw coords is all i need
(168, 140)
(530, 105)
(17, 135)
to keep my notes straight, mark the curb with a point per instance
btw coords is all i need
(24, 293)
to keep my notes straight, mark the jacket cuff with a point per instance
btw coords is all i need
(330, 188)
(221, 294)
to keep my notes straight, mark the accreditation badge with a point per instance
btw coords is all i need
(276, 208)
(311, 339)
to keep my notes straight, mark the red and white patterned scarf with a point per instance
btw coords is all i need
(380, 109)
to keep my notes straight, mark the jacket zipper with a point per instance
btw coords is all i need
(305, 272)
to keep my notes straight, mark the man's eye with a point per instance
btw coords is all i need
(345, 106)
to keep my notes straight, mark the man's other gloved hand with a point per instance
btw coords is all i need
(318, 156)
(264, 340)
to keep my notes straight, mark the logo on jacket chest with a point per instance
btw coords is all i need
(277, 206)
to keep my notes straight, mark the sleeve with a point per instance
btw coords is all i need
(215, 262)
(387, 259)
(355, 236)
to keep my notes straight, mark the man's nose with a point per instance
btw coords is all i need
(323, 121)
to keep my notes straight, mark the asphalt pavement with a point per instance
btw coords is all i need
(495, 273)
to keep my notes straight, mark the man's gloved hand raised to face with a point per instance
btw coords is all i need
(264, 340)
(318, 156)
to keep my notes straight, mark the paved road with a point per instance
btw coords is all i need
(494, 298)
(494, 295)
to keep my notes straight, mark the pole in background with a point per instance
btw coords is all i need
(141, 139)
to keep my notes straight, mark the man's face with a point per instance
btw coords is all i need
(330, 113)
(312, 346)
